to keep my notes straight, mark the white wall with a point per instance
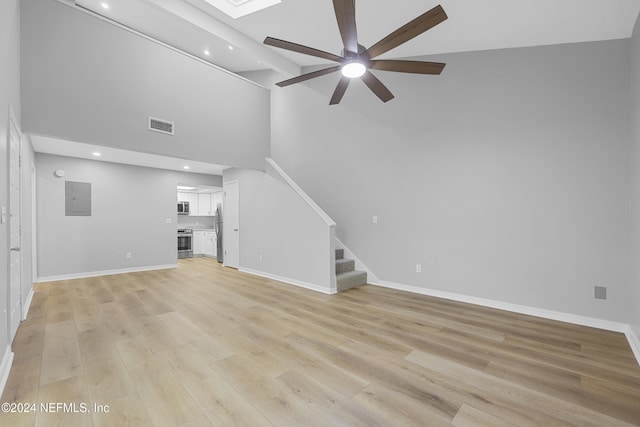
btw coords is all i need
(130, 205)
(295, 243)
(89, 81)
(506, 177)
(635, 181)
(10, 99)
(27, 213)
(9, 95)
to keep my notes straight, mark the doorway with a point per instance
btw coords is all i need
(231, 232)
(15, 285)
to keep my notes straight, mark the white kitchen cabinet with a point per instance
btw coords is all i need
(193, 204)
(198, 242)
(204, 204)
(210, 243)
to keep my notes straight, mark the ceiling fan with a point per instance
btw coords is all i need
(356, 60)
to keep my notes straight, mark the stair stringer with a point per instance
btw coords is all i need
(371, 277)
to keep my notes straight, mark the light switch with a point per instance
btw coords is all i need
(168, 220)
(375, 219)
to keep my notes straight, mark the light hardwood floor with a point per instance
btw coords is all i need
(203, 345)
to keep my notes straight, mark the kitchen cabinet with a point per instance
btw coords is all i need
(192, 198)
(198, 242)
(204, 204)
(204, 243)
(210, 243)
(201, 204)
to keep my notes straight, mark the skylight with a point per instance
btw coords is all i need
(239, 8)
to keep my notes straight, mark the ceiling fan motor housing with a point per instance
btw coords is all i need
(347, 54)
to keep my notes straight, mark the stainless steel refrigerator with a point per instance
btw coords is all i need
(218, 228)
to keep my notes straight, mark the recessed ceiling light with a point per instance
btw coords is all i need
(206, 52)
(230, 47)
(187, 167)
(105, 5)
(97, 154)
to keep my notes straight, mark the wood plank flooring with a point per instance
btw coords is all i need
(202, 345)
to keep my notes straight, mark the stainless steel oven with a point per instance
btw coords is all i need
(185, 243)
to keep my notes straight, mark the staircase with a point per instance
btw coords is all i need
(346, 275)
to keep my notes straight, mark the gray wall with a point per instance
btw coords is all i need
(9, 95)
(635, 180)
(295, 243)
(506, 178)
(27, 214)
(89, 81)
(130, 205)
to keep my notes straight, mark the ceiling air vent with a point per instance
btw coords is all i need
(162, 126)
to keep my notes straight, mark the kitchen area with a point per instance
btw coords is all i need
(199, 225)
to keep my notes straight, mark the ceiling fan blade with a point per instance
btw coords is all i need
(340, 90)
(308, 76)
(346, 16)
(408, 31)
(417, 67)
(294, 47)
(376, 86)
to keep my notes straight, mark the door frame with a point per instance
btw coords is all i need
(13, 122)
(226, 227)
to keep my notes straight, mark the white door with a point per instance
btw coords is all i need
(230, 225)
(15, 310)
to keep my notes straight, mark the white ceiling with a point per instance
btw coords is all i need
(472, 25)
(194, 26)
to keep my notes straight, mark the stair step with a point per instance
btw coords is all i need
(350, 280)
(339, 254)
(344, 265)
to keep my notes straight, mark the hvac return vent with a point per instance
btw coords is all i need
(162, 126)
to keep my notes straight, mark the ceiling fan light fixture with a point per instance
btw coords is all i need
(353, 69)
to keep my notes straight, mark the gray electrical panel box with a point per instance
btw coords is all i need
(77, 198)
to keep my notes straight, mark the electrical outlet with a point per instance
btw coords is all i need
(375, 219)
(600, 292)
(128, 255)
(418, 268)
(168, 220)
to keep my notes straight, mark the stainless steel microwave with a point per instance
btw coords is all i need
(183, 208)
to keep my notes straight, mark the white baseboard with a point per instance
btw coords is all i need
(634, 342)
(523, 309)
(27, 304)
(289, 281)
(5, 368)
(104, 273)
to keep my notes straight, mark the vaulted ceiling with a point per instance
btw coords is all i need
(195, 26)
(199, 29)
